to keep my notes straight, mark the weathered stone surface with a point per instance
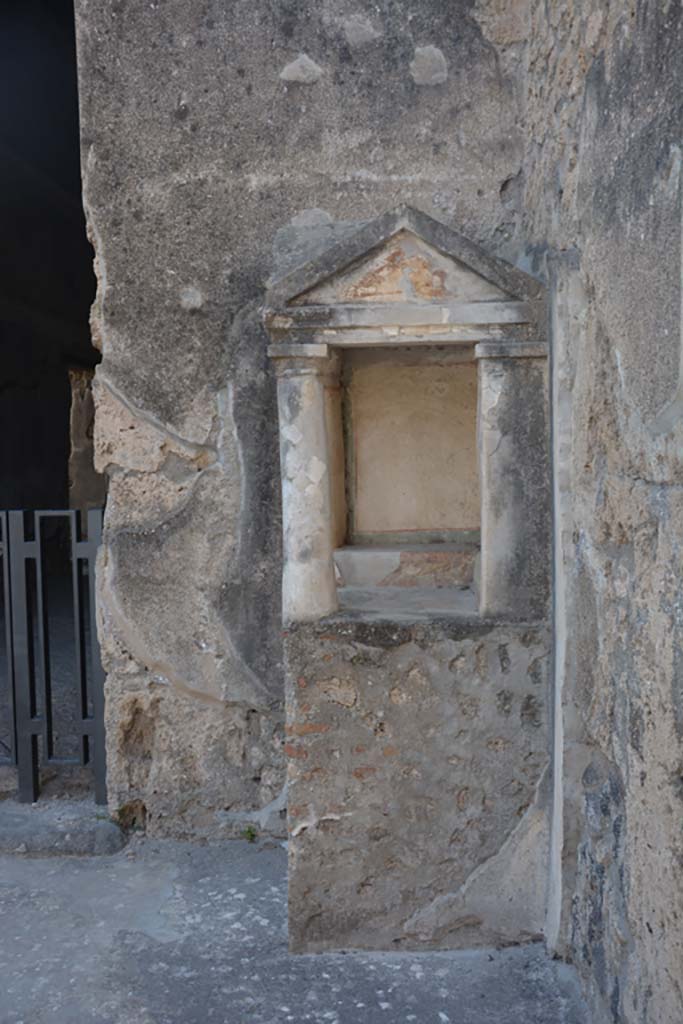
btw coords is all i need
(445, 565)
(225, 760)
(407, 604)
(54, 828)
(194, 163)
(87, 488)
(407, 269)
(302, 70)
(415, 759)
(603, 186)
(513, 434)
(429, 66)
(558, 123)
(308, 586)
(359, 31)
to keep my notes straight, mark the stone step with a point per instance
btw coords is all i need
(406, 565)
(58, 828)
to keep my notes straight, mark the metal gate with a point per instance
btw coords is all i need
(51, 677)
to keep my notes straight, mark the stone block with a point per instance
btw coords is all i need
(415, 758)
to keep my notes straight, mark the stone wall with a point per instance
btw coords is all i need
(417, 812)
(209, 132)
(603, 196)
(87, 488)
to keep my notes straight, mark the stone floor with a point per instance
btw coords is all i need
(174, 933)
(406, 604)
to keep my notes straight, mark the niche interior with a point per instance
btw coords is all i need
(389, 349)
(411, 469)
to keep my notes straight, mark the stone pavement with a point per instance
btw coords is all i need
(177, 933)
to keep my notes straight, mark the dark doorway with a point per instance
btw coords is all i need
(46, 277)
(51, 703)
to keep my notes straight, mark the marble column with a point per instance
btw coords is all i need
(308, 580)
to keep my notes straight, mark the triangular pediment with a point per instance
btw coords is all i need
(403, 256)
(405, 268)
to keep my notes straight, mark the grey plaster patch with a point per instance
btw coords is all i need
(496, 892)
(191, 297)
(174, 933)
(308, 233)
(358, 31)
(429, 66)
(302, 70)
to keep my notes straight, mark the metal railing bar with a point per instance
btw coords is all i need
(24, 676)
(52, 513)
(79, 638)
(26, 571)
(43, 637)
(11, 758)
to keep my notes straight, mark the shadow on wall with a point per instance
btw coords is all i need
(46, 279)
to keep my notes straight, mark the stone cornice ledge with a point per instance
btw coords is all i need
(511, 350)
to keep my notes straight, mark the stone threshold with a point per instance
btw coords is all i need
(77, 828)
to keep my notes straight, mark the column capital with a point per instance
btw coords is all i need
(293, 360)
(289, 350)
